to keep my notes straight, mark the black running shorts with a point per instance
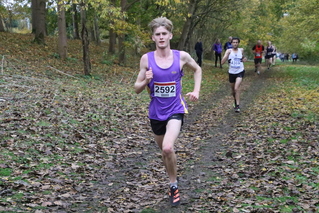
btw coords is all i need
(232, 77)
(159, 127)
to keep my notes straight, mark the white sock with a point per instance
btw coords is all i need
(173, 184)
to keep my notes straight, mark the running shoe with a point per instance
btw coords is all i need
(237, 109)
(174, 197)
(258, 72)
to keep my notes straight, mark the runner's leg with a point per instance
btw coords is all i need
(236, 89)
(166, 143)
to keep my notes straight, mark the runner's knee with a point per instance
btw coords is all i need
(167, 150)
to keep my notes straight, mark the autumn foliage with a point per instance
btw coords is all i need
(72, 143)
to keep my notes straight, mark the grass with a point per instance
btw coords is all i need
(103, 110)
(293, 82)
(5, 172)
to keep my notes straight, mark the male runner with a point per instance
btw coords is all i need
(274, 55)
(235, 58)
(269, 54)
(258, 50)
(161, 72)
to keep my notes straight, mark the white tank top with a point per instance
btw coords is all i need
(236, 65)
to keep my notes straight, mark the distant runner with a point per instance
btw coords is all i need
(161, 72)
(269, 54)
(274, 55)
(258, 50)
(235, 58)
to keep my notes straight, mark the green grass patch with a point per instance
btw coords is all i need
(5, 171)
(43, 124)
(148, 210)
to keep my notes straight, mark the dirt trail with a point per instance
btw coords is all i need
(125, 179)
(197, 177)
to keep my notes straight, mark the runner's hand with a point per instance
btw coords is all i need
(149, 75)
(244, 59)
(193, 96)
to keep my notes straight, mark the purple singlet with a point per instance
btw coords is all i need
(166, 89)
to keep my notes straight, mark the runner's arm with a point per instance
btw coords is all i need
(144, 76)
(187, 60)
(225, 58)
(244, 59)
(254, 49)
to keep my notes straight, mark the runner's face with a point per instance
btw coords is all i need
(162, 37)
(235, 44)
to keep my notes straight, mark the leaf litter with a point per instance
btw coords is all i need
(85, 145)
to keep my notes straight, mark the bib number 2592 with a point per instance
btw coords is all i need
(165, 89)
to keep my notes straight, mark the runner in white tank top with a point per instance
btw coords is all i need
(235, 58)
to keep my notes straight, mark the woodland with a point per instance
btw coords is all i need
(122, 25)
(74, 137)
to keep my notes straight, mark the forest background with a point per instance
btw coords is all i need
(122, 25)
(74, 143)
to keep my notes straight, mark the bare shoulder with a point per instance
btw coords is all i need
(186, 59)
(144, 61)
(184, 55)
(144, 57)
(227, 52)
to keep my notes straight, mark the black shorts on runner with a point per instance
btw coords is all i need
(159, 127)
(232, 77)
(258, 60)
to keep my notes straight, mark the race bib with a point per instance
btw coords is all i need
(269, 53)
(235, 63)
(257, 54)
(165, 89)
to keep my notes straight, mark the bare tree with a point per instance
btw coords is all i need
(121, 37)
(187, 25)
(38, 20)
(96, 30)
(75, 21)
(1, 25)
(112, 35)
(62, 44)
(85, 41)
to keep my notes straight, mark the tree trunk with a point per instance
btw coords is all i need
(38, 15)
(75, 21)
(33, 15)
(92, 33)
(1, 25)
(85, 42)
(112, 35)
(122, 58)
(122, 38)
(112, 41)
(96, 31)
(9, 27)
(62, 44)
(187, 26)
